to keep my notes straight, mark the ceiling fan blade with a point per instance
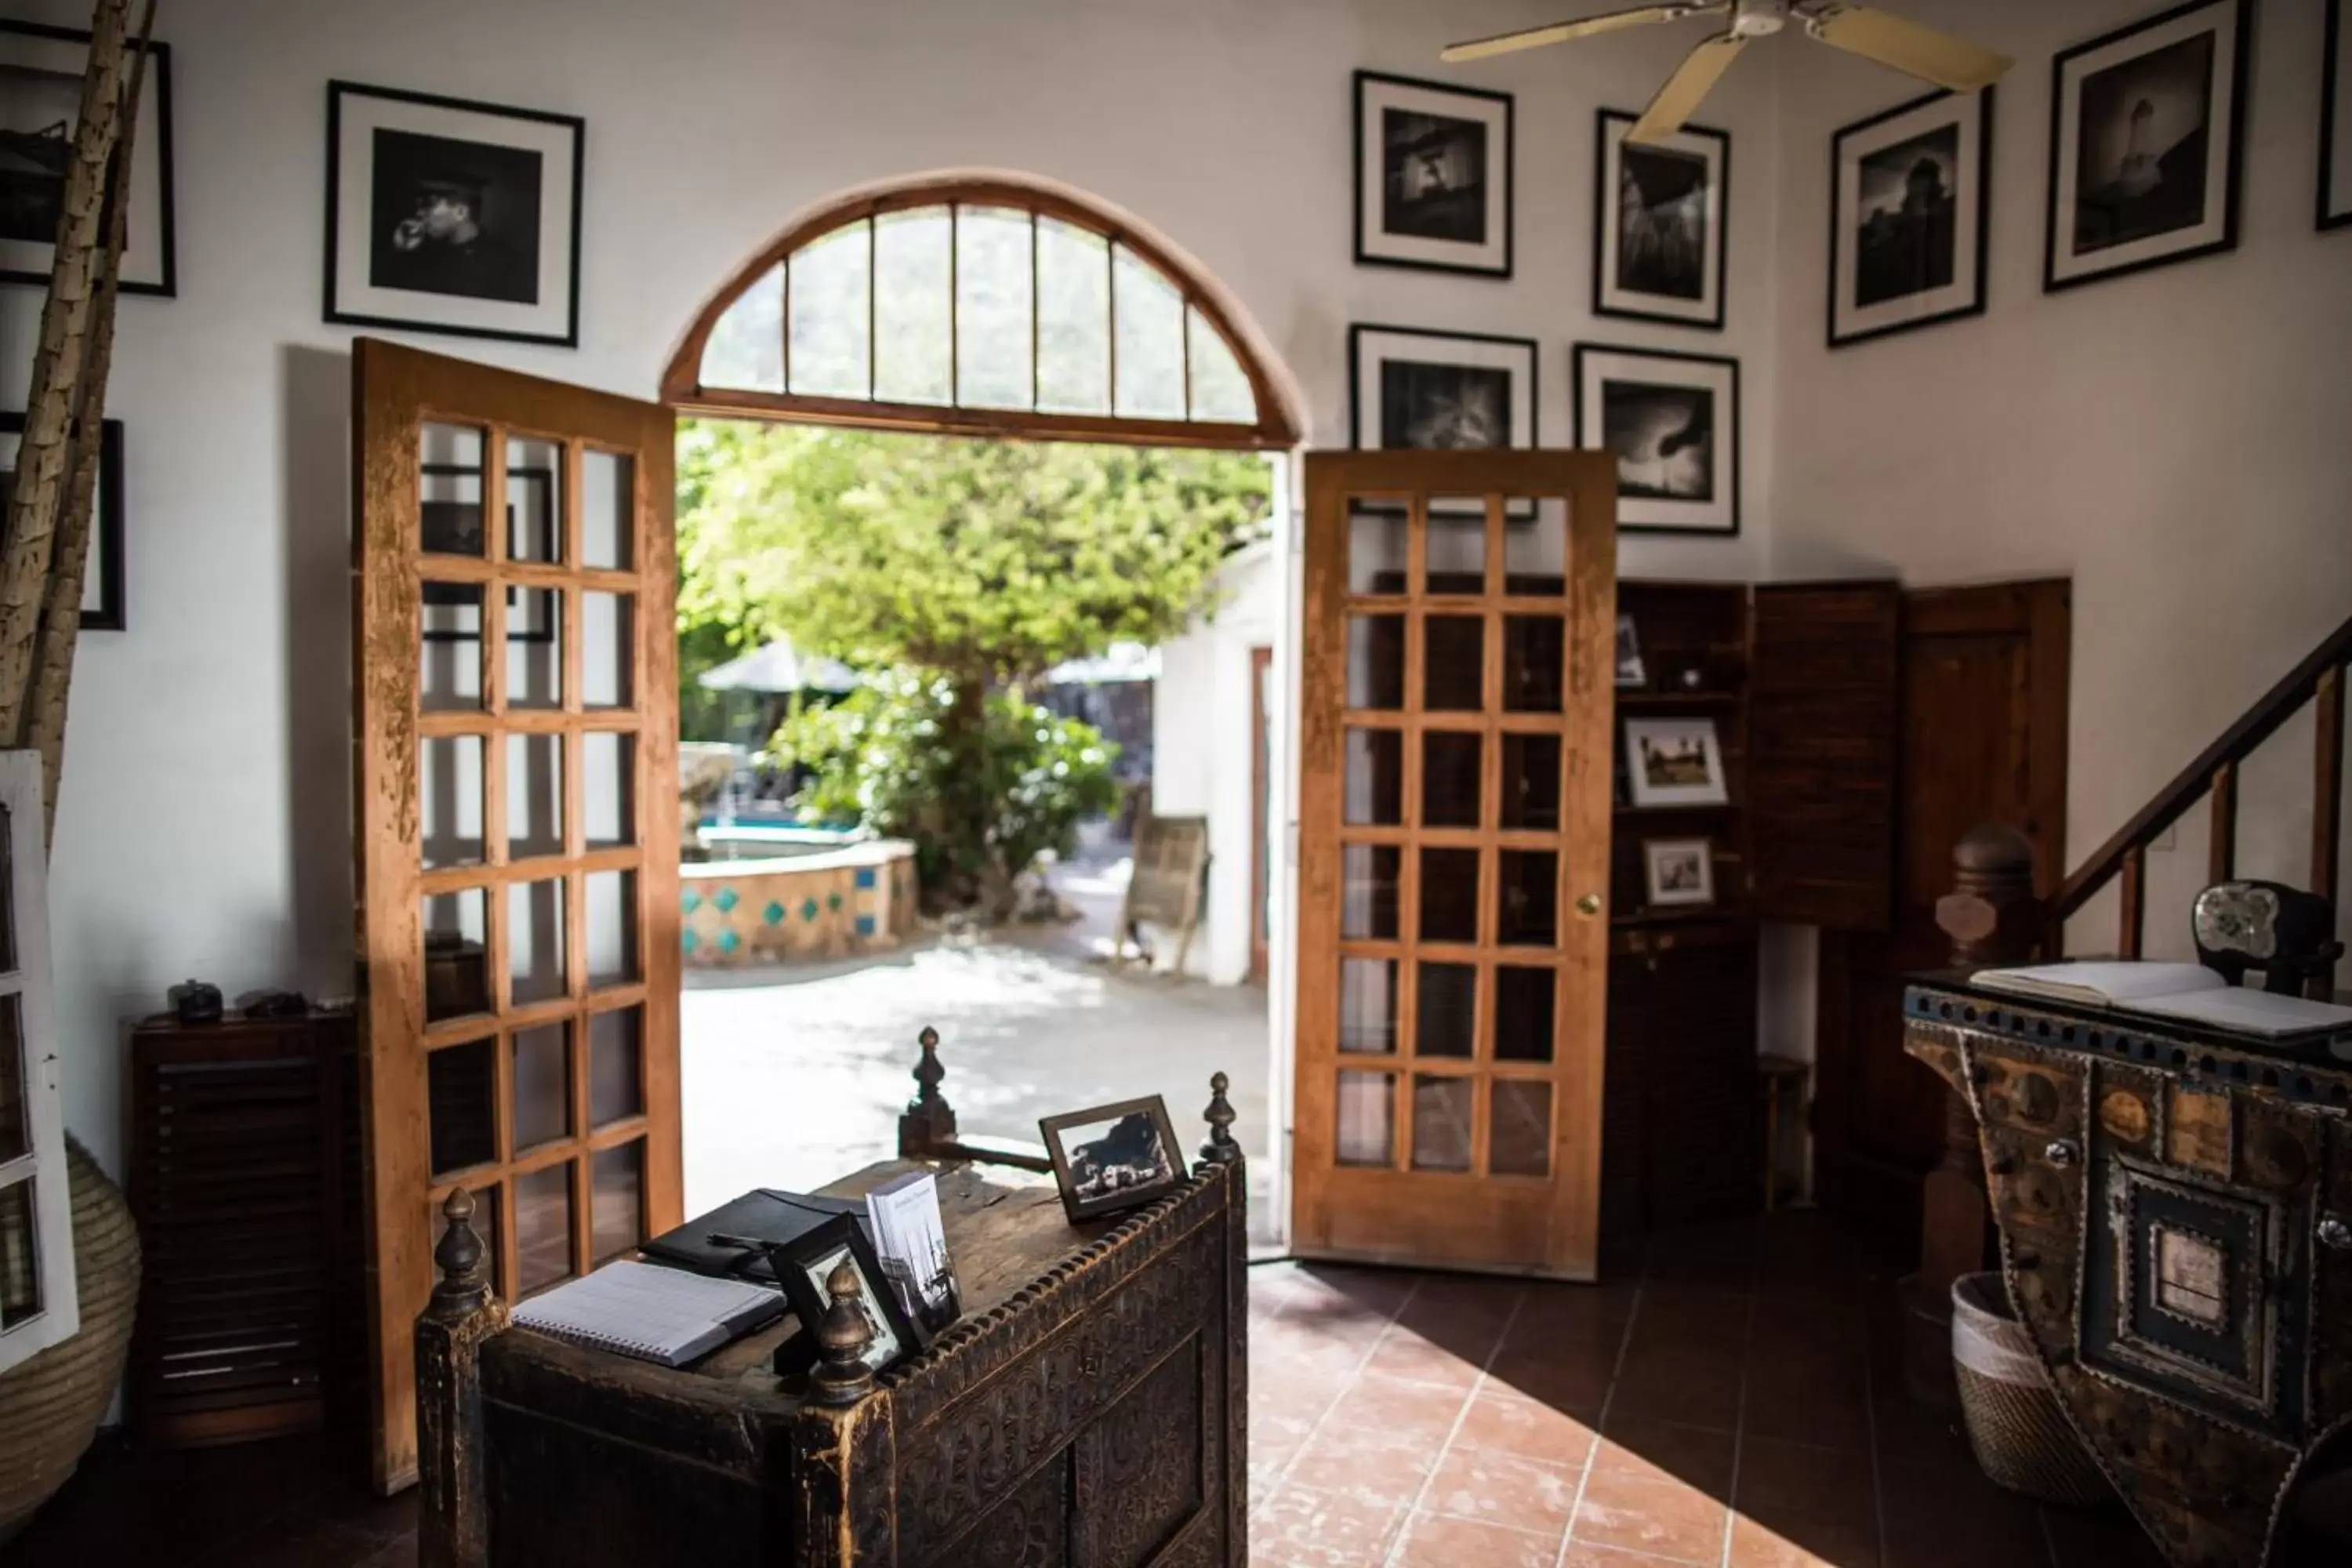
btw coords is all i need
(1561, 32)
(1907, 47)
(1691, 82)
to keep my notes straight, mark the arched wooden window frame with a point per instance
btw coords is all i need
(682, 382)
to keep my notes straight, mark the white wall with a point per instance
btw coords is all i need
(2175, 440)
(203, 827)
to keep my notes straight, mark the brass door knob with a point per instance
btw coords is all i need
(1588, 905)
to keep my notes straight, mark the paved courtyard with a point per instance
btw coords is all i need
(795, 1075)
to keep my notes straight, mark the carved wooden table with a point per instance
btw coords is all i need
(2174, 1205)
(1089, 1410)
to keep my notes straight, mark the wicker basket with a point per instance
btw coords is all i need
(2020, 1435)
(50, 1406)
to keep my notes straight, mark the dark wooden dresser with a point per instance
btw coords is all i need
(1089, 1410)
(2175, 1206)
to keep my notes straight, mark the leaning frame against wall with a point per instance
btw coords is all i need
(513, 576)
(980, 307)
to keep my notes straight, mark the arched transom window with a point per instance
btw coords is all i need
(978, 309)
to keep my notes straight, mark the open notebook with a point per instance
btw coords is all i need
(652, 1313)
(2188, 991)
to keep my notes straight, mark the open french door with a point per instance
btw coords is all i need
(1457, 688)
(515, 729)
(39, 1307)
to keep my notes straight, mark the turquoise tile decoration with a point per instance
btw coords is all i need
(727, 940)
(865, 925)
(833, 901)
(726, 901)
(691, 900)
(808, 910)
(773, 914)
(687, 939)
(866, 876)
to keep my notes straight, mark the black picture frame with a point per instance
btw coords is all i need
(1072, 1180)
(1706, 314)
(139, 276)
(337, 284)
(2335, 207)
(1638, 514)
(1974, 249)
(456, 514)
(104, 569)
(2232, 24)
(1478, 101)
(1526, 366)
(800, 1265)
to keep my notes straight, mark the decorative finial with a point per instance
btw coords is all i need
(459, 1251)
(843, 1338)
(928, 1123)
(929, 1073)
(1221, 1148)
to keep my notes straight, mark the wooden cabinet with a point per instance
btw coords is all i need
(1799, 680)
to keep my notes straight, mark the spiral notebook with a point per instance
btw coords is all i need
(656, 1314)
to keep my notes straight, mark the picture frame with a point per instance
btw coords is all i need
(1908, 217)
(104, 606)
(1632, 672)
(2335, 210)
(2136, 180)
(1415, 388)
(1673, 419)
(1660, 235)
(802, 1266)
(1433, 176)
(1679, 873)
(449, 215)
(1108, 1159)
(1674, 761)
(41, 70)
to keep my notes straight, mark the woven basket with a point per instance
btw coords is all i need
(50, 1406)
(2020, 1435)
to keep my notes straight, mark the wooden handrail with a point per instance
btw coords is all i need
(2215, 770)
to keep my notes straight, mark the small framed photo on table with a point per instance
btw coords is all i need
(1632, 672)
(1674, 761)
(1679, 873)
(804, 1266)
(1112, 1158)
(445, 216)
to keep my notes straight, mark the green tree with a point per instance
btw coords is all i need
(980, 565)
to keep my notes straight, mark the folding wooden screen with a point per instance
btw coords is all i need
(1457, 675)
(515, 722)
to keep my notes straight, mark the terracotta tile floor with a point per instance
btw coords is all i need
(1727, 1399)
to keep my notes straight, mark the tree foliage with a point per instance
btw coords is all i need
(985, 561)
(979, 801)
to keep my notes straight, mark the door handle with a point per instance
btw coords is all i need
(1588, 905)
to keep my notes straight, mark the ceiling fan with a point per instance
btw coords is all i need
(1890, 40)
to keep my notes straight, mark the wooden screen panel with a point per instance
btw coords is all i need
(1453, 931)
(513, 579)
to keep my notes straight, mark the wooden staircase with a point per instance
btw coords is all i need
(1993, 918)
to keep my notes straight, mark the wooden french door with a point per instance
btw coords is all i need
(1457, 682)
(516, 728)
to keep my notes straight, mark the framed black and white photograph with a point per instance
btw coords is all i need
(445, 216)
(1631, 671)
(1673, 422)
(103, 606)
(1112, 1158)
(803, 1266)
(1658, 232)
(2145, 129)
(1679, 873)
(1674, 761)
(1413, 390)
(41, 102)
(1907, 223)
(1432, 175)
(2336, 121)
